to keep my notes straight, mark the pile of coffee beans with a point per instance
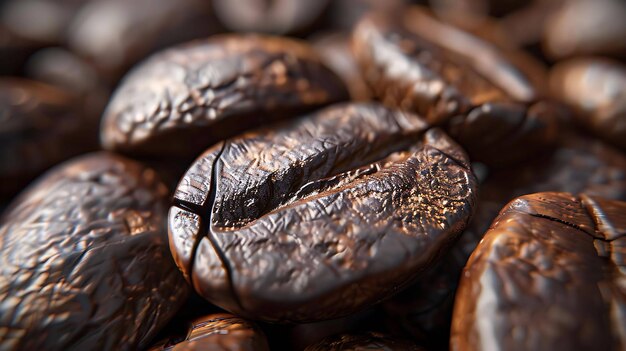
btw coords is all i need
(312, 175)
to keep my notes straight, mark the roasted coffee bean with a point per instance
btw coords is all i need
(337, 55)
(217, 332)
(424, 309)
(40, 125)
(186, 98)
(320, 217)
(487, 98)
(586, 28)
(596, 88)
(84, 263)
(579, 164)
(115, 34)
(269, 16)
(547, 276)
(363, 341)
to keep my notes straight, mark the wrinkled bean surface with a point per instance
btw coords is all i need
(547, 275)
(321, 217)
(84, 261)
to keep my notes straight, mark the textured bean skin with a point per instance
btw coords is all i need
(40, 126)
(362, 342)
(596, 88)
(487, 98)
(217, 332)
(85, 263)
(578, 165)
(184, 99)
(548, 275)
(320, 217)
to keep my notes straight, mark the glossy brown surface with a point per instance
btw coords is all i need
(269, 16)
(596, 88)
(182, 100)
(578, 165)
(547, 276)
(40, 125)
(362, 342)
(487, 98)
(84, 261)
(217, 332)
(320, 217)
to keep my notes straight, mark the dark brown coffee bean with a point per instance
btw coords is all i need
(363, 341)
(84, 261)
(320, 217)
(40, 125)
(115, 34)
(579, 164)
(547, 276)
(335, 51)
(217, 332)
(424, 309)
(269, 16)
(489, 103)
(586, 28)
(596, 88)
(186, 98)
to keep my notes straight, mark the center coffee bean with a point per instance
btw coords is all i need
(320, 217)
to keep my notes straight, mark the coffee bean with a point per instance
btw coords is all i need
(217, 332)
(40, 125)
(546, 276)
(490, 104)
(84, 261)
(363, 341)
(320, 217)
(186, 98)
(596, 88)
(579, 164)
